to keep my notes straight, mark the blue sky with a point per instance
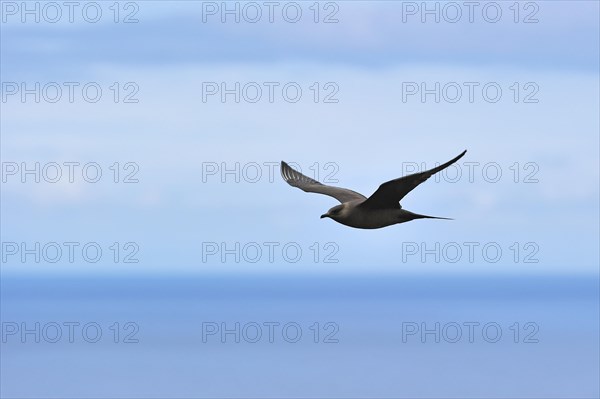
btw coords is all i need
(369, 55)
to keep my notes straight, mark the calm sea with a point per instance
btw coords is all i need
(300, 337)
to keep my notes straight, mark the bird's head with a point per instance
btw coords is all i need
(335, 213)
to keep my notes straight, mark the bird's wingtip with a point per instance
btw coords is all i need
(459, 156)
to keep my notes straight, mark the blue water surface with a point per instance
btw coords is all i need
(298, 336)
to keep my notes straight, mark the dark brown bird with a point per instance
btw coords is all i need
(381, 209)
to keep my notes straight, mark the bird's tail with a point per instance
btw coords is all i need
(417, 216)
(431, 217)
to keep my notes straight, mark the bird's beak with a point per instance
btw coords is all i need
(325, 216)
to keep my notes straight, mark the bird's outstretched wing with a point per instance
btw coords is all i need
(305, 183)
(389, 194)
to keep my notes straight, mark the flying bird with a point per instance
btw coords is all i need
(381, 209)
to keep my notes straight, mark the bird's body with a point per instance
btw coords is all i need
(354, 215)
(379, 210)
